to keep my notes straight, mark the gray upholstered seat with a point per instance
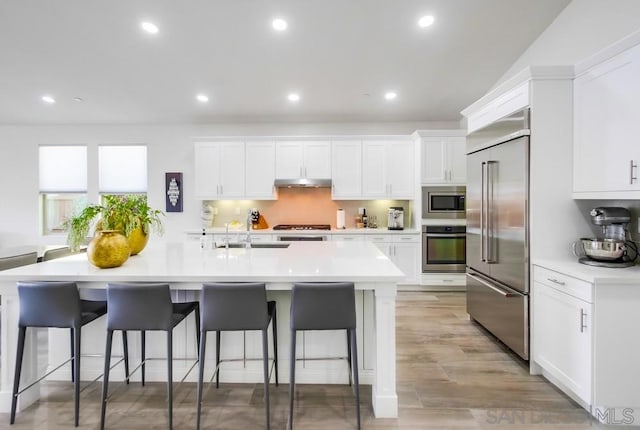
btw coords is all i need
(55, 304)
(144, 307)
(324, 306)
(18, 260)
(236, 307)
(52, 254)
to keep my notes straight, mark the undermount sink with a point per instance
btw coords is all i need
(254, 245)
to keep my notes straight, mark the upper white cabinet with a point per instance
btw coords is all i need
(346, 169)
(388, 169)
(443, 160)
(260, 171)
(606, 111)
(219, 170)
(303, 159)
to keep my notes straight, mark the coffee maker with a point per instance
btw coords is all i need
(615, 247)
(395, 219)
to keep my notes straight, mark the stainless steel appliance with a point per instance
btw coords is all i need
(302, 227)
(443, 202)
(395, 219)
(443, 248)
(615, 248)
(498, 230)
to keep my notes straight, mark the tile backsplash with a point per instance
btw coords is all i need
(306, 206)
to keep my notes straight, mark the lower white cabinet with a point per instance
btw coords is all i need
(584, 336)
(404, 251)
(563, 331)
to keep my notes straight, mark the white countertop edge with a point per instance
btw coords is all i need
(592, 274)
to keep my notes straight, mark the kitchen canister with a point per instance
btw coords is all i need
(340, 219)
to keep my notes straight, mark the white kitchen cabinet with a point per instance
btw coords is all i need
(444, 160)
(260, 170)
(303, 159)
(403, 250)
(219, 170)
(388, 169)
(606, 110)
(562, 342)
(346, 169)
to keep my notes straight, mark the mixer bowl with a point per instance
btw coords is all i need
(603, 249)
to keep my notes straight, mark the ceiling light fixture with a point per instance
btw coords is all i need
(293, 97)
(149, 27)
(202, 98)
(390, 95)
(426, 21)
(279, 24)
(48, 99)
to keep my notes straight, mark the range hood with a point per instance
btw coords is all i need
(302, 183)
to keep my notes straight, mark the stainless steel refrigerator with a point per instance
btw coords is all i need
(498, 230)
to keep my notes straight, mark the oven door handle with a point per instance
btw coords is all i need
(451, 235)
(486, 284)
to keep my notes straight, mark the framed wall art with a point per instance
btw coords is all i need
(173, 189)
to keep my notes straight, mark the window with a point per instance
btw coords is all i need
(122, 169)
(63, 184)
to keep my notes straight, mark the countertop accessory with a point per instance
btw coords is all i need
(340, 219)
(395, 219)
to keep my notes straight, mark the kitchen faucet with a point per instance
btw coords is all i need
(247, 241)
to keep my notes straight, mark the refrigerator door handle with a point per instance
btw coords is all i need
(488, 285)
(482, 209)
(490, 212)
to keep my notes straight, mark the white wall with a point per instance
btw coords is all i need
(582, 29)
(170, 149)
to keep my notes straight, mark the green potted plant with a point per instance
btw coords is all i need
(129, 214)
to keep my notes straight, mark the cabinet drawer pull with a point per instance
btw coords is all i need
(555, 281)
(583, 320)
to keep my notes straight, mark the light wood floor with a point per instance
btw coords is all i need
(451, 375)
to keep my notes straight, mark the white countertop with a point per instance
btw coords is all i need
(185, 262)
(593, 274)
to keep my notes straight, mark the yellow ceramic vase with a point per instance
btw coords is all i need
(108, 248)
(138, 240)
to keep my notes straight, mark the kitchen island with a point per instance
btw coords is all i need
(185, 267)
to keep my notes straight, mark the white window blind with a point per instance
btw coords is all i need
(122, 169)
(63, 169)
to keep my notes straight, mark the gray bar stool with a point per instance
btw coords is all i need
(144, 307)
(18, 260)
(324, 306)
(236, 307)
(55, 304)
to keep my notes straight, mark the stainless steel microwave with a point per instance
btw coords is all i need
(443, 202)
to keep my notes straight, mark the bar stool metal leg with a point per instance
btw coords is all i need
(354, 354)
(203, 345)
(292, 377)
(143, 357)
(77, 335)
(22, 332)
(170, 376)
(274, 328)
(218, 338)
(105, 378)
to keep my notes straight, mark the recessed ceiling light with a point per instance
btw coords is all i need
(279, 24)
(149, 27)
(293, 97)
(48, 99)
(202, 98)
(426, 21)
(390, 95)
(78, 99)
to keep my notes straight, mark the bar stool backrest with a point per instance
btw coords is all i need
(49, 304)
(233, 306)
(139, 307)
(52, 254)
(323, 306)
(18, 260)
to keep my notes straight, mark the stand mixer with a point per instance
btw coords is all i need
(615, 248)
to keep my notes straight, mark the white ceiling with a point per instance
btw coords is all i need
(340, 55)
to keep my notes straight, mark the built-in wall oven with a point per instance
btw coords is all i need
(443, 202)
(444, 248)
